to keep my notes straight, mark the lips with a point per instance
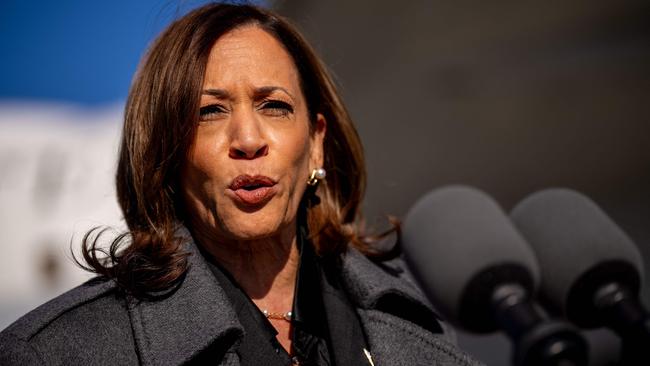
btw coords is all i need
(253, 190)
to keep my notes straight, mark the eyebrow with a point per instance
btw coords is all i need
(262, 91)
(219, 93)
(266, 90)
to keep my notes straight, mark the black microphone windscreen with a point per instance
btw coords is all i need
(455, 235)
(576, 245)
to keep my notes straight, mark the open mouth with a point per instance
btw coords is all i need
(253, 190)
(249, 182)
(251, 187)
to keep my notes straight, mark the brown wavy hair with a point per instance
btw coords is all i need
(161, 114)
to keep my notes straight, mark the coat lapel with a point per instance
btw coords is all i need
(394, 341)
(194, 317)
(400, 325)
(367, 283)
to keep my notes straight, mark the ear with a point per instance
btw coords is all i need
(317, 153)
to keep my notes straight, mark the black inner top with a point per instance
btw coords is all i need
(325, 326)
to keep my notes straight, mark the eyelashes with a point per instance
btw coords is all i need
(272, 108)
(210, 112)
(277, 108)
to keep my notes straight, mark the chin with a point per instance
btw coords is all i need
(247, 226)
(270, 221)
(253, 233)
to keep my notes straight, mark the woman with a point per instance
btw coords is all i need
(240, 177)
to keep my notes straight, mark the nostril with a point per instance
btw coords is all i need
(236, 153)
(261, 151)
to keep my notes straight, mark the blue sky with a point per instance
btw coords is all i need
(77, 51)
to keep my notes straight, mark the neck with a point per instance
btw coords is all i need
(265, 269)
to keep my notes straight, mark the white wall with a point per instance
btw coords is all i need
(57, 168)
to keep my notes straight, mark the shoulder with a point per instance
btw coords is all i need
(53, 310)
(400, 323)
(387, 286)
(79, 323)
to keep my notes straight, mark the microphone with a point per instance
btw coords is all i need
(591, 270)
(480, 274)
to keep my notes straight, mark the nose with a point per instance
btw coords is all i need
(247, 138)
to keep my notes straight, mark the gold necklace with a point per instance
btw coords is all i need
(278, 316)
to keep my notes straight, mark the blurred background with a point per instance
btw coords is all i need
(507, 96)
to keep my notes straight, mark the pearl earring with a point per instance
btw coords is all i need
(316, 176)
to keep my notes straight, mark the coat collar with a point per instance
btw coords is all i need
(367, 283)
(177, 328)
(198, 313)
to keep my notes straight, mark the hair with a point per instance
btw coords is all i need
(160, 121)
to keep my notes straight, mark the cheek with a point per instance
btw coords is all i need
(199, 174)
(193, 181)
(297, 152)
(204, 153)
(301, 165)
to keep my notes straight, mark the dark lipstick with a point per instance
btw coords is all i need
(253, 190)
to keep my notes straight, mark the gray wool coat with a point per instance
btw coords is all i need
(92, 325)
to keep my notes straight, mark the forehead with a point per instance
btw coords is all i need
(250, 55)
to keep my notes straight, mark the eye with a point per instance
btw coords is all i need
(210, 112)
(276, 108)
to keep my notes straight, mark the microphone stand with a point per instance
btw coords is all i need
(620, 310)
(537, 340)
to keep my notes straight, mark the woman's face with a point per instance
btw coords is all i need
(253, 151)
